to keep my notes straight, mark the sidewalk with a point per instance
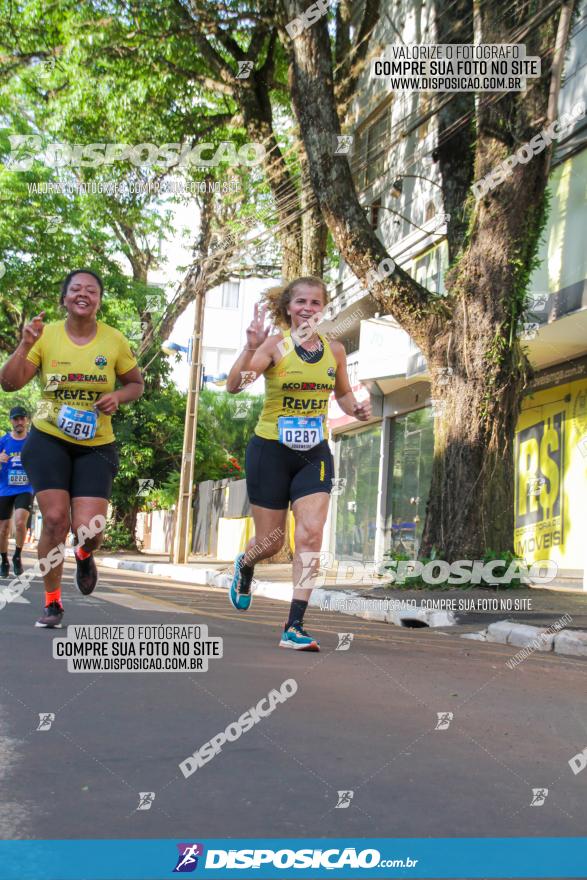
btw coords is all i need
(479, 613)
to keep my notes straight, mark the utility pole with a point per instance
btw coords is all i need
(181, 543)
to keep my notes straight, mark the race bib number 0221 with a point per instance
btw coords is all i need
(300, 433)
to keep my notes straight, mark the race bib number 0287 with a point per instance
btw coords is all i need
(77, 423)
(300, 433)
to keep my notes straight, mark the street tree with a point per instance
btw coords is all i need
(475, 328)
(190, 72)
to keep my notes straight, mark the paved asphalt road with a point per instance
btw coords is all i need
(362, 720)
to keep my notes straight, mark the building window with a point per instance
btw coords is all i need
(373, 143)
(214, 298)
(230, 292)
(375, 213)
(424, 106)
(430, 212)
(428, 270)
(351, 341)
(352, 368)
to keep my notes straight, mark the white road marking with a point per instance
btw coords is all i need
(137, 603)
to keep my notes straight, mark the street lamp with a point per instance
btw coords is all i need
(398, 184)
(219, 380)
(173, 347)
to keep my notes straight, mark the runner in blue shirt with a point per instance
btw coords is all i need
(16, 492)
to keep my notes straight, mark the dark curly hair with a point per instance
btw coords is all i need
(70, 275)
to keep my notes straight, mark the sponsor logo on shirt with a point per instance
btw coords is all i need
(77, 394)
(53, 378)
(308, 386)
(101, 361)
(309, 404)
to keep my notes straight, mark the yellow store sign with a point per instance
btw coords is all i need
(551, 476)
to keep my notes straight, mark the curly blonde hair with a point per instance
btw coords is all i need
(278, 298)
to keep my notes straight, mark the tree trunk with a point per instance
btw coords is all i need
(128, 519)
(258, 119)
(314, 229)
(470, 336)
(471, 500)
(130, 522)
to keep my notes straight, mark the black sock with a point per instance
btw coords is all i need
(247, 571)
(297, 609)
(17, 552)
(5, 557)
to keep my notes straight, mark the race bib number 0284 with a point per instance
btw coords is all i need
(300, 433)
(77, 423)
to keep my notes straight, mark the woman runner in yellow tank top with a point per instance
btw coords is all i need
(288, 459)
(70, 455)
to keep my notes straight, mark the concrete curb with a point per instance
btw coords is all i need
(161, 569)
(504, 632)
(343, 601)
(536, 638)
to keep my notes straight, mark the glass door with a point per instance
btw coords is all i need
(356, 505)
(412, 450)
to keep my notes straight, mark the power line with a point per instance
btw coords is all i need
(297, 194)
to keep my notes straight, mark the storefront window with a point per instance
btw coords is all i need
(412, 449)
(356, 505)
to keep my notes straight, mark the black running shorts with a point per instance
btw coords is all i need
(277, 474)
(8, 503)
(83, 471)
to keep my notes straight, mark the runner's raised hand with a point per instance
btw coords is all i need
(33, 330)
(256, 331)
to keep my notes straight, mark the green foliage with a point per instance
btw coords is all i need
(27, 397)
(35, 261)
(223, 433)
(416, 582)
(527, 260)
(116, 536)
(165, 496)
(149, 434)
(150, 440)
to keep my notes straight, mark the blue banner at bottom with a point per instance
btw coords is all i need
(222, 858)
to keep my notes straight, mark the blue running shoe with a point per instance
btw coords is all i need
(240, 588)
(297, 638)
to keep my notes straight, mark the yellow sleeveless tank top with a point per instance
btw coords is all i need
(293, 387)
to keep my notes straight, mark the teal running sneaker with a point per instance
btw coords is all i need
(297, 638)
(240, 588)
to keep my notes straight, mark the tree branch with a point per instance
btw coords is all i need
(353, 59)
(315, 107)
